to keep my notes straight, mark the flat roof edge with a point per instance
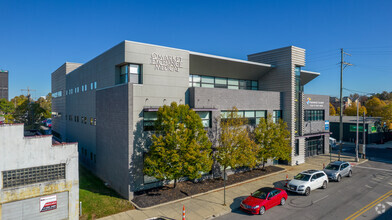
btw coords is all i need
(231, 59)
(310, 72)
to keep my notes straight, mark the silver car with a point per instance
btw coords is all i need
(338, 169)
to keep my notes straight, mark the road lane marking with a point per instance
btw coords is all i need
(318, 200)
(372, 168)
(368, 186)
(369, 206)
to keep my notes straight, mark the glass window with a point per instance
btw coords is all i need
(249, 114)
(207, 79)
(205, 118)
(149, 119)
(233, 82)
(92, 86)
(196, 78)
(276, 115)
(296, 152)
(233, 87)
(314, 115)
(207, 85)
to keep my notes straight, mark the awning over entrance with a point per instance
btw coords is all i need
(307, 76)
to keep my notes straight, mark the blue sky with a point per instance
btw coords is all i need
(39, 36)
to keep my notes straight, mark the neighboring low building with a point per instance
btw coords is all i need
(39, 180)
(109, 104)
(373, 129)
(3, 84)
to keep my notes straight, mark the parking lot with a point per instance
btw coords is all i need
(365, 195)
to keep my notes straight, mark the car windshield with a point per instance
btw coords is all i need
(303, 177)
(260, 194)
(332, 167)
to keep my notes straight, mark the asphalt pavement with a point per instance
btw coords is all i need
(366, 195)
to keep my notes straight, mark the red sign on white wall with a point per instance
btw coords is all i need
(47, 203)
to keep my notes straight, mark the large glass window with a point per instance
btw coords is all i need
(252, 115)
(314, 115)
(130, 73)
(220, 82)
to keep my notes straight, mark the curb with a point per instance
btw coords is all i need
(204, 193)
(217, 215)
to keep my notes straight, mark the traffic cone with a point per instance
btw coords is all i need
(287, 180)
(183, 212)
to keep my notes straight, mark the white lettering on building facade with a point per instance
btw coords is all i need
(166, 62)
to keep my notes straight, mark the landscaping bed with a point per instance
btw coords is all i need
(184, 189)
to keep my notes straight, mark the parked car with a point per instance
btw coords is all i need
(308, 180)
(338, 169)
(264, 199)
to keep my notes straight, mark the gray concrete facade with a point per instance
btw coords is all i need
(112, 142)
(18, 152)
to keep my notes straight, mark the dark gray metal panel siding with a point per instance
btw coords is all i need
(4, 85)
(29, 209)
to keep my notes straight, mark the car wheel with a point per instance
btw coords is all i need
(282, 201)
(262, 210)
(350, 174)
(325, 185)
(339, 178)
(307, 191)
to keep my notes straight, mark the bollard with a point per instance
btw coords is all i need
(183, 212)
(80, 209)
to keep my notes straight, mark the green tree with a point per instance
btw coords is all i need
(387, 115)
(180, 146)
(236, 148)
(374, 107)
(46, 104)
(30, 113)
(6, 107)
(332, 110)
(352, 110)
(273, 140)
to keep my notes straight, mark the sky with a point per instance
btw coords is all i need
(37, 37)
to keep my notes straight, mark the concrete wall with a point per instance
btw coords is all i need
(282, 79)
(17, 152)
(101, 70)
(112, 128)
(316, 102)
(59, 103)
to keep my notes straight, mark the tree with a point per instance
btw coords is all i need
(332, 111)
(236, 149)
(30, 113)
(46, 104)
(387, 115)
(180, 146)
(352, 110)
(273, 140)
(374, 107)
(338, 111)
(6, 107)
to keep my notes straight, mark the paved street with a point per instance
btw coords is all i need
(370, 181)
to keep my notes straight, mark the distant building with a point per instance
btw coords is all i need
(39, 180)
(373, 129)
(3, 84)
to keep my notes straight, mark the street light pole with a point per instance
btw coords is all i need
(356, 143)
(341, 104)
(364, 137)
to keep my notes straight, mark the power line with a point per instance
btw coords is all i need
(356, 91)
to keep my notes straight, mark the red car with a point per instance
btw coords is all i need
(264, 199)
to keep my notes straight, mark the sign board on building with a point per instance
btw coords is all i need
(166, 62)
(353, 128)
(47, 203)
(326, 125)
(312, 103)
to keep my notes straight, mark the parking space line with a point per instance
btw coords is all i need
(372, 168)
(321, 199)
(368, 186)
(369, 206)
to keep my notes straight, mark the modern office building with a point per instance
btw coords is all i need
(3, 84)
(109, 103)
(38, 179)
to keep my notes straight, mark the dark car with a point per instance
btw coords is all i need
(264, 199)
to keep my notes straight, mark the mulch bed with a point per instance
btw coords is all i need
(167, 193)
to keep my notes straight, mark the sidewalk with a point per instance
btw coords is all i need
(210, 205)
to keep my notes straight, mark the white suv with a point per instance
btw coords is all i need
(308, 180)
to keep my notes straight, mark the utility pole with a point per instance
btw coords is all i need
(364, 137)
(356, 143)
(342, 66)
(30, 111)
(28, 92)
